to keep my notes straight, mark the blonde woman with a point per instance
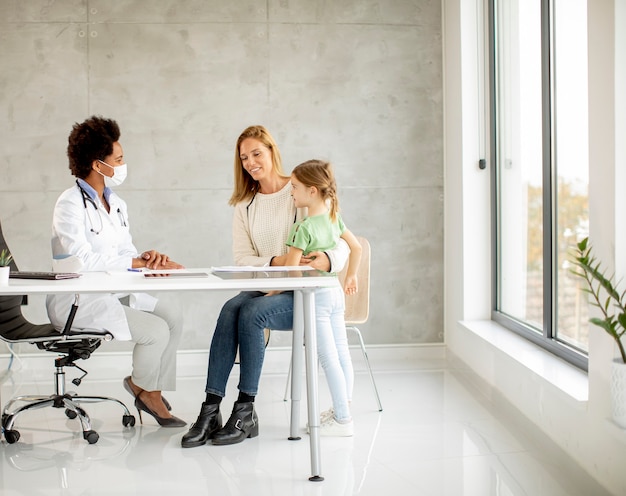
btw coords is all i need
(264, 214)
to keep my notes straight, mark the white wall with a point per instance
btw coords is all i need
(578, 421)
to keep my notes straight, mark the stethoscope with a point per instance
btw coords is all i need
(87, 198)
(295, 216)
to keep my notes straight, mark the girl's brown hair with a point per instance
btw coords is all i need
(319, 174)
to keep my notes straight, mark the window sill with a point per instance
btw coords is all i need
(562, 375)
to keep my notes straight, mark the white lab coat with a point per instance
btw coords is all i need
(101, 240)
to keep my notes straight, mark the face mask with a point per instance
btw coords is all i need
(119, 174)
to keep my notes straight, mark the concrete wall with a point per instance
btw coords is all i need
(358, 82)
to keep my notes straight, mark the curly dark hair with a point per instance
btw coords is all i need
(89, 141)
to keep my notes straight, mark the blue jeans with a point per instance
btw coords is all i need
(332, 348)
(241, 323)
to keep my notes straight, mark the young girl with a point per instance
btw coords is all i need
(313, 186)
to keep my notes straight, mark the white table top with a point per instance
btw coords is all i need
(127, 282)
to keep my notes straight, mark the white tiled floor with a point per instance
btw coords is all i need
(436, 436)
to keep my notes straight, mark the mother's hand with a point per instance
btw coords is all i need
(316, 259)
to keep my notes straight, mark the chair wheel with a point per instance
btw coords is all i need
(128, 420)
(70, 413)
(91, 436)
(11, 436)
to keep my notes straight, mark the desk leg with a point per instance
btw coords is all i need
(296, 365)
(310, 340)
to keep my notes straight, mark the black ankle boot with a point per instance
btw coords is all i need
(243, 423)
(208, 423)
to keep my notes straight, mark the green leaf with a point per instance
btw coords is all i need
(602, 323)
(603, 291)
(621, 318)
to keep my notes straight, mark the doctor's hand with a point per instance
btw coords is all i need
(154, 260)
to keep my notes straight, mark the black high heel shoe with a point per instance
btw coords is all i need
(163, 422)
(243, 423)
(128, 387)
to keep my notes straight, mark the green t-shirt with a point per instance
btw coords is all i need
(317, 233)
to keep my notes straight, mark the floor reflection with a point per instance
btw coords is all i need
(438, 436)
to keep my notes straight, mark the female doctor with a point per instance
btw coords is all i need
(90, 224)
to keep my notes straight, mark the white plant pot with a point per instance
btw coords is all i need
(4, 275)
(618, 392)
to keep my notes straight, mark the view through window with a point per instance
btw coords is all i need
(540, 139)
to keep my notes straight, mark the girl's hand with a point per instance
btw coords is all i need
(351, 285)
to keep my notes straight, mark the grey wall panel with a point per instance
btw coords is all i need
(414, 12)
(357, 82)
(43, 11)
(352, 94)
(176, 11)
(43, 88)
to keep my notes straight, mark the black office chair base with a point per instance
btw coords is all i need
(61, 399)
(73, 410)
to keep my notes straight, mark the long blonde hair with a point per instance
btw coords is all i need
(245, 187)
(320, 174)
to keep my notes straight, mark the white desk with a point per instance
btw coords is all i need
(303, 283)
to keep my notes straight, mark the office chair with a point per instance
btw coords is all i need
(71, 345)
(357, 311)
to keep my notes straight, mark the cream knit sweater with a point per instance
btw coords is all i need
(260, 227)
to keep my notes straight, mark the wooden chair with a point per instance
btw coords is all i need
(357, 311)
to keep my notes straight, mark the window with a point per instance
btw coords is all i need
(540, 174)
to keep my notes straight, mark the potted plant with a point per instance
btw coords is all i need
(612, 305)
(5, 262)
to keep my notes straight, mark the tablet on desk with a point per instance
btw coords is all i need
(21, 274)
(175, 274)
(272, 273)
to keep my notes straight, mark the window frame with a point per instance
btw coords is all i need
(547, 339)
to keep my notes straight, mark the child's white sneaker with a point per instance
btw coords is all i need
(327, 414)
(330, 427)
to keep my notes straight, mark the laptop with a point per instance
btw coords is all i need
(22, 274)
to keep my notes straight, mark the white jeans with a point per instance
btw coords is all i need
(332, 348)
